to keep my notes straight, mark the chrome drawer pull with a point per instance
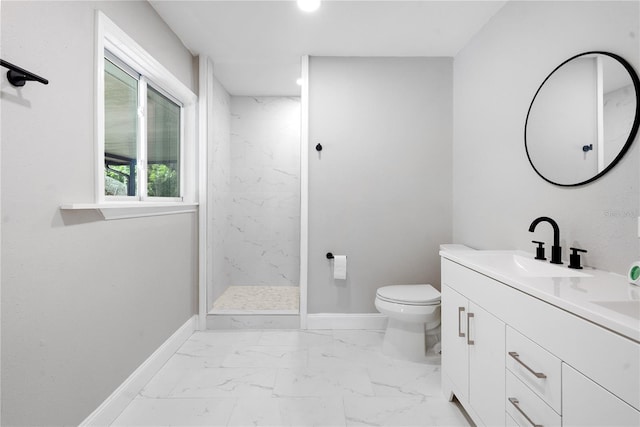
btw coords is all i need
(515, 402)
(517, 357)
(460, 333)
(469, 340)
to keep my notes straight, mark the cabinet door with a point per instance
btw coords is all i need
(455, 360)
(585, 403)
(486, 335)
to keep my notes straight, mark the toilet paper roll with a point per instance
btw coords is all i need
(340, 267)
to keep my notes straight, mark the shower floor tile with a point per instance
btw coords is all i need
(258, 300)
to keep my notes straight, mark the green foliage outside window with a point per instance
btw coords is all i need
(162, 181)
(115, 184)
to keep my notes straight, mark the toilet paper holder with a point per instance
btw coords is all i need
(338, 263)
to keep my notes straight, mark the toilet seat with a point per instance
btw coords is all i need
(416, 295)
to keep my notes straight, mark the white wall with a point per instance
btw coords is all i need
(84, 301)
(380, 190)
(263, 237)
(496, 193)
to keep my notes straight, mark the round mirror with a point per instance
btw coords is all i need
(583, 118)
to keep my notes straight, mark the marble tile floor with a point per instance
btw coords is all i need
(257, 300)
(290, 378)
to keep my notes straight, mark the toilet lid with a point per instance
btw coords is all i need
(409, 294)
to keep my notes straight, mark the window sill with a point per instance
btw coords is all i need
(122, 210)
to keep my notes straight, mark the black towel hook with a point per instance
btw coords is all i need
(329, 255)
(18, 76)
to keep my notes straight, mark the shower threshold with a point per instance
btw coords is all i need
(243, 300)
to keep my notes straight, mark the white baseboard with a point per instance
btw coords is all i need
(376, 321)
(113, 406)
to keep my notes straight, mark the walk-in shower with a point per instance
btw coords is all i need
(256, 208)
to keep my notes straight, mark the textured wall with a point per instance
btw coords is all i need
(84, 301)
(380, 190)
(496, 193)
(263, 235)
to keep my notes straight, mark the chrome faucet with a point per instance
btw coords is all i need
(556, 250)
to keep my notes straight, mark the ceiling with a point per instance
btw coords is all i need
(256, 45)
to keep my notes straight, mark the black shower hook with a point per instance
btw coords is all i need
(18, 76)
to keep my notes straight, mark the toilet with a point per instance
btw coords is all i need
(414, 321)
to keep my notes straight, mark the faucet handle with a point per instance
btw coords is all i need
(539, 250)
(574, 258)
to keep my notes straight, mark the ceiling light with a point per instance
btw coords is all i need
(309, 5)
(299, 81)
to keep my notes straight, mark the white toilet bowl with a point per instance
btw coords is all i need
(414, 320)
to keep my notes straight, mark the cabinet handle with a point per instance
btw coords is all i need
(515, 402)
(469, 340)
(516, 356)
(460, 333)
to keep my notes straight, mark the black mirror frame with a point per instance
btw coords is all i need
(632, 133)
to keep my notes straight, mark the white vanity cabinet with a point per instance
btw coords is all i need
(455, 363)
(526, 408)
(474, 340)
(530, 362)
(585, 403)
(534, 382)
(536, 368)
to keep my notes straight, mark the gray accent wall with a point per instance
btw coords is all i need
(496, 193)
(84, 301)
(380, 190)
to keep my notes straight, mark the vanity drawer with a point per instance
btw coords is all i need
(509, 421)
(540, 370)
(522, 403)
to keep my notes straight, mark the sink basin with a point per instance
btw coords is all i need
(513, 263)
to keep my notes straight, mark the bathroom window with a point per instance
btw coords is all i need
(142, 135)
(146, 125)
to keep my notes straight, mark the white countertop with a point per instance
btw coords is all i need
(604, 298)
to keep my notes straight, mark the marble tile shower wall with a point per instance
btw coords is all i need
(219, 188)
(263, 227)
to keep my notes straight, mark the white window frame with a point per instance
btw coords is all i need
(112, 39)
